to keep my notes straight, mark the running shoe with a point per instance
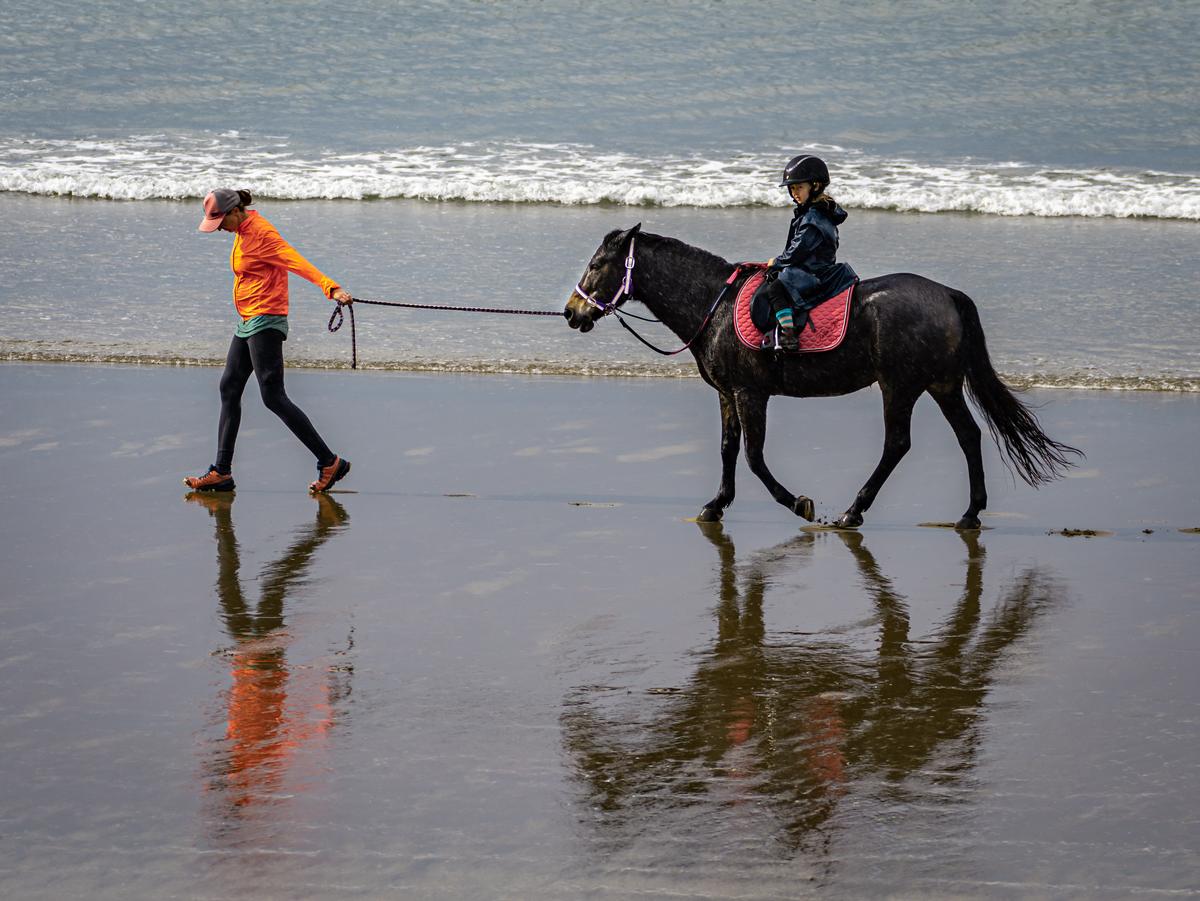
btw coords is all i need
(328, 475)
(210, 481)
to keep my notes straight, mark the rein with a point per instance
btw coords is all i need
(670, 353)
(336, 318)
(625, 292)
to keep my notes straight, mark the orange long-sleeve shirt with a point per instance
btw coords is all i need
(261, 261)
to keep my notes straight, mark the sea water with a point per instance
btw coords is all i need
(1044, 161)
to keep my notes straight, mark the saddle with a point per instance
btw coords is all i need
(824, 331)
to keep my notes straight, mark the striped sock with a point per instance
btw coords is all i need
(784, 317)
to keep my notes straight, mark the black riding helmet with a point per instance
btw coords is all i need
(803, 169)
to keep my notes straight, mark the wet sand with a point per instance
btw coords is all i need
(504, 664)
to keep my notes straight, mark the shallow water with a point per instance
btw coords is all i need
(521, 673)
(1064, 302)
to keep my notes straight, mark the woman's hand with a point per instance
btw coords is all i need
(342, 297)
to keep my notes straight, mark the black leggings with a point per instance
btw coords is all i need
(779, 296)
(261, 354)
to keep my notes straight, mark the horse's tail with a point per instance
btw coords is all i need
(1025, 448)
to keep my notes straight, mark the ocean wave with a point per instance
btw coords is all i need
(1090, 381)
(178, 167)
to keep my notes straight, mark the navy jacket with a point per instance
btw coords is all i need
(808, 266)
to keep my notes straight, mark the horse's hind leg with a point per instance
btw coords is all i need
(752, 411)
(958, 414)
(731, 439)
(897, 422)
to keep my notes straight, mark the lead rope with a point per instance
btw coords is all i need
(335, 322)
(336, 318)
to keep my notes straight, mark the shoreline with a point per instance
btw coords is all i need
(1183, 385)
(189, 200)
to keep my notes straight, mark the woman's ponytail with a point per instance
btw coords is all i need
(244, 198)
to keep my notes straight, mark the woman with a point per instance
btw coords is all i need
(261, 260)
(807, 271)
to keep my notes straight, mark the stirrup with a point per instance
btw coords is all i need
(786, 346)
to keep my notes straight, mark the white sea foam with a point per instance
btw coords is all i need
(178, 167)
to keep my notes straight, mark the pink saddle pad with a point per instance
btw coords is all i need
(829, 320)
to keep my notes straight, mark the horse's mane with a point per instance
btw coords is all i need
(693, 254)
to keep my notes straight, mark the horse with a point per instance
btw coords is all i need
(910, 334)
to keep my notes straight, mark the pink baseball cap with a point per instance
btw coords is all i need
(216, 204)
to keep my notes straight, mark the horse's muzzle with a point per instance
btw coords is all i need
(578, 316)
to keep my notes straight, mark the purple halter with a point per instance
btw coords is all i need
(623, 292)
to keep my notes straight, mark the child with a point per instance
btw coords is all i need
(807, 271)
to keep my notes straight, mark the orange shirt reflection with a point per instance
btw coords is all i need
(272, 719)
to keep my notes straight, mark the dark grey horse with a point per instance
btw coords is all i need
(909, 334)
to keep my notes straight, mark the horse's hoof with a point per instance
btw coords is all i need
(968, 524)
(850, 521)
(804, 508)
(710, 514)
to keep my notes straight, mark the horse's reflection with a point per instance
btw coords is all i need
(277, 713)
(795, 723)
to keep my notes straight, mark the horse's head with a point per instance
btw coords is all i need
(605, 283)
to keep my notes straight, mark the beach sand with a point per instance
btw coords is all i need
(504, 663)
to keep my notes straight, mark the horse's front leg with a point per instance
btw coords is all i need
(731, 440)
(752, 411)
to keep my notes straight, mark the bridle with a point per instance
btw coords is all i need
(625, 292)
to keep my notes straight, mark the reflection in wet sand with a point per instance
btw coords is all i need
(278, 713)
(814, 729)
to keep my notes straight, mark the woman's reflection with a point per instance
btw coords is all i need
(796, 722)
(276, 712)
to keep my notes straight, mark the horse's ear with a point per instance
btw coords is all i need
(624, 237)
(617, 239)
